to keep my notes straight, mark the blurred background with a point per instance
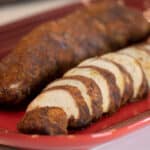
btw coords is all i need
(12, 10)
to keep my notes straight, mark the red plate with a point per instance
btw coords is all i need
(94, 135)
(132, 116)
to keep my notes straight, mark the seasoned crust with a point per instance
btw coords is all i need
(88, 40)
(121, 36)
(84, 116)
(21, 73)
(94, 92)
(46, 120)
(123, 18)
(136, 32)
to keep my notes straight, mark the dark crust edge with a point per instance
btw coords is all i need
(84, 117)
(45, 120)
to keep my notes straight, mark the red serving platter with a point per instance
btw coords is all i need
(127, 119)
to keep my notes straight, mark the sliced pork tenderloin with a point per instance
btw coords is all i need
(114, 69)
(142, 57)
(133, 67)
(106, 82)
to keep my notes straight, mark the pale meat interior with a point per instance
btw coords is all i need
(56, 98)
(79, 85)
(111, 67)
(99, 80)
(131, 66)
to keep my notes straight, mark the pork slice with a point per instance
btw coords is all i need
(101, 81)
(131, 65)
(110, 66)
(56, 98)
(78, 84)
(143, 58)
(93, 91)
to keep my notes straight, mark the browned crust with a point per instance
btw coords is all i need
(46, 120)
(24, 68)
(94, 41)
(124, 21)
(113, 88)
(111, 21)
(119, 17)
(137, 32)
(84, 116)
(128, 91)
(134, 32)
(94, 93)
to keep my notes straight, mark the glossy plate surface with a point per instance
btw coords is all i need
(132, 116)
